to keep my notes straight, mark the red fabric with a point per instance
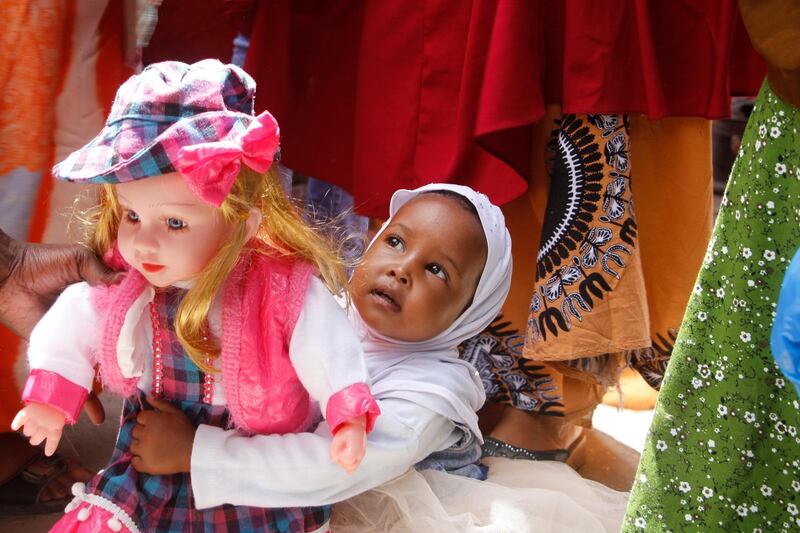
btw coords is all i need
(375, 96)
(188, 31)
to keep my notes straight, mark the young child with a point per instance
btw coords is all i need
(219, 317)
(435, 275)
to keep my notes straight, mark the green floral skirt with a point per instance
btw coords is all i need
(723, 452)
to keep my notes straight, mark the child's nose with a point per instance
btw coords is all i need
(400, 273)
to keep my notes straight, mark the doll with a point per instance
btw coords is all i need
(219, 314)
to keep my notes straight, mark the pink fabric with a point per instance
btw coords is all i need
(210, 168)
(350, 402)
(114, 301)
(96, 522)
(56, 391)
(261, 305)
(262, 300)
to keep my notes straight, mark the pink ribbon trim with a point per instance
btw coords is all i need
(49, 388)
(350, 402)
(211, 168)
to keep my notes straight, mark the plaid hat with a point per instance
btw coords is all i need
(173, 117)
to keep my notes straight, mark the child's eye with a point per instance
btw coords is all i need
(176, 224)
(395, 242)
(132, 217)
(437, 271)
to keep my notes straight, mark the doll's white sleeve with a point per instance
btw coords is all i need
(329, 360)
(60, 352)
(295, 470)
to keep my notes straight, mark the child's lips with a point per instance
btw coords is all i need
(152, 267)
(385, 298)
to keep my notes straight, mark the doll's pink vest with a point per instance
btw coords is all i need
(262, 299)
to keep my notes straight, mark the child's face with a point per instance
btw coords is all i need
(422, 272)
(166, 232)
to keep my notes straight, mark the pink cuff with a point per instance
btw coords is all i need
(56, 391)
(350, 402)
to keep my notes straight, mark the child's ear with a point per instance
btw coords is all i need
(253, 222)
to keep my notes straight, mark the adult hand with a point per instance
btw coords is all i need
(33, 275)
(162, 440)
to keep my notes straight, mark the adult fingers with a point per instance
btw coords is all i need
(94, 409)
(93, 271)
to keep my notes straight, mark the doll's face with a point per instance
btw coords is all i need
(166, 232)
(422, 271)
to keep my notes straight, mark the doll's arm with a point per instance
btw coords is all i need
(329, 361)
(40, 423)
(349, 443)
(60, 353)
(295, 470)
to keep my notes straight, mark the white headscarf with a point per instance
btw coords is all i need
(429, 372)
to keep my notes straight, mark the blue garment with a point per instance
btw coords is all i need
(785, 339)
(461, 459)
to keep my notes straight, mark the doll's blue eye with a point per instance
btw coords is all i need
(176, 223)
(132, 216)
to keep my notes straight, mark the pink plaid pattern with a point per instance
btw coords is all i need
(168, 106)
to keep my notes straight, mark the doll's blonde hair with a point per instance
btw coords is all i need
(282, 229)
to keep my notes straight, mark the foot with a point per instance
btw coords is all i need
(535, 432)
(22, 461)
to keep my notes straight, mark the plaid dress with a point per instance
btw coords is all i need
(164, 502)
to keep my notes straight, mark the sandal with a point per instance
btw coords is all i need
(574, 455)
(20, 494)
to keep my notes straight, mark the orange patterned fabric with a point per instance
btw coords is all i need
(35, 48)
(659, 232)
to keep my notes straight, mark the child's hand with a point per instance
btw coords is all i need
(162, 440)
(350, 443)
(40, 422)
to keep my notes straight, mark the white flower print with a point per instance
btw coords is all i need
(688, 517)
(719, 375)
(712, 444)
(722, 410)
(758, 144)
(780, 169)
(769, 255)
(741, 510)
(762, 130)
(749, 417)
(703, 370)
(661, 445)
(745, 336)
(770, 205)
(751, 283)
(792, 508)
(702, 316)
(720, 293)
(640, 522)
(796, 485)
(775, 132)
(766, 491)
(746, 253)
(684, 487)
(643, 478)
(697, 382)
(708, 492)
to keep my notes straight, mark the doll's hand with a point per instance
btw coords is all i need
(349, 443)
(40, 422)
(162, 440)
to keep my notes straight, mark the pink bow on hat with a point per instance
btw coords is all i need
(211, 168)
